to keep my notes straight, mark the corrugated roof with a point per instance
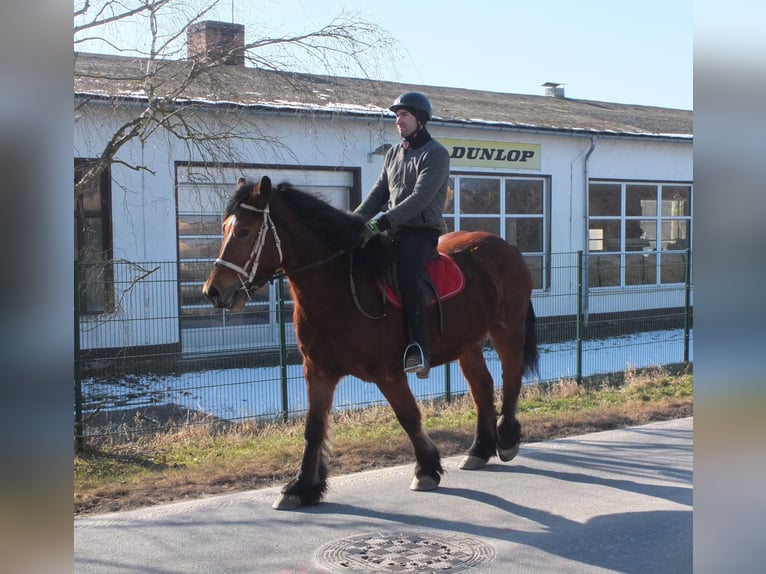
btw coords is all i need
(106, 76)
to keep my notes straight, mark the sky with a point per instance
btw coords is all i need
(603, 50)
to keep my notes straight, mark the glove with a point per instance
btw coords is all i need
(371, 229)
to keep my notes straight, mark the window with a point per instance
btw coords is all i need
(516, 208)
(93, 242)
(638, 233)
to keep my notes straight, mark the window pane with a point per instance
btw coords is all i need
(450, 221)
(192, 295)
(449, 204)
(640, 235)
(675, 234)
(603, 270)
(92, 248)
(490, 224)
(640, 269)
(673, 268)
(640, 200)
(675, 201)
(604, 199)
(207, 316)
(535, 264)
(199, 225)
(93, 243)
(92, 286)
(526, 233)
(91, 200)
(247, 316)
(479, 195)
(192, 248)
(605, 233)
(523, 196)
(194, 270)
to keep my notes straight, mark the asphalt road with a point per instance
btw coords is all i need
(615, 501)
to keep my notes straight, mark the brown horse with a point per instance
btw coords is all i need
(344, 327)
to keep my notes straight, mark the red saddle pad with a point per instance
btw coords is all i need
(446, 276)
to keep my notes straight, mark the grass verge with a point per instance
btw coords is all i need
(195, 461)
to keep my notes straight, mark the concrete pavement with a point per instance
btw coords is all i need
(615, 501)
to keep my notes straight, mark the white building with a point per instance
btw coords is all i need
(551, 174)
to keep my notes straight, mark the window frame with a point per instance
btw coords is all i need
(102, 270)
(650, 260)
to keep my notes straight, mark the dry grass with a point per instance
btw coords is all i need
(194, 461)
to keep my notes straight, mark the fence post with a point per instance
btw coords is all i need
(79, 438)
(447, 383)
(687, 304)
(579, 325)
(282, 347)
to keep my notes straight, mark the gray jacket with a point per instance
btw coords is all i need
(411, 188)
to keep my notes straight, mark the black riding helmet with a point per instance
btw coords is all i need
(415, 103)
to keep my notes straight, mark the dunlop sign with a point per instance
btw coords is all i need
(476, 153)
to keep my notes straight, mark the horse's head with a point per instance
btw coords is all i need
(250, 252)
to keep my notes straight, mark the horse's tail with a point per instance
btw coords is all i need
(531, 355)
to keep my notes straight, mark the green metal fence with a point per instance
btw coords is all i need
(135, 372)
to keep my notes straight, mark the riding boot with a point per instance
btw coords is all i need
(417, 355)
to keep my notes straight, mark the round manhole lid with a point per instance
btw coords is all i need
(413, 552)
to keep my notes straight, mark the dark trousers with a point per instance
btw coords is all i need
(414, 247)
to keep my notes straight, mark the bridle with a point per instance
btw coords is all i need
(255, 254)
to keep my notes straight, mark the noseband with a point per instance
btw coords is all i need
(255, 254)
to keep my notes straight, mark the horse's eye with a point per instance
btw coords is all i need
(242, 232)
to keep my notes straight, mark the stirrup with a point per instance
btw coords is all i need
(415, 361)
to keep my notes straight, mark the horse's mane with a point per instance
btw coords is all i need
(339, 229)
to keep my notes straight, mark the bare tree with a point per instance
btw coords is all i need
(163, 82)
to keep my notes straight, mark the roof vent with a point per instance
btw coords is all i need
(214, 40)
(554, 89)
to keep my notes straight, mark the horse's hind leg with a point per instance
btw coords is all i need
(509, 345)
(428, 468)
(309, 486)
(475, 370)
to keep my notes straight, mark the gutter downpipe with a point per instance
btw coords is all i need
(586, 250)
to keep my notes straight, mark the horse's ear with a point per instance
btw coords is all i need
(265, 187)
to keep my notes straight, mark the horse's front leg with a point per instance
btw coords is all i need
(483, 393)
(310, 485)
(428, 468)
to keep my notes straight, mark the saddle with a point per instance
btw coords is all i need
(447, 280)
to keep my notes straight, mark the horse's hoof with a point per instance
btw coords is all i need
(507, 454)
(471, 462)
(424, 483)
(287, 502)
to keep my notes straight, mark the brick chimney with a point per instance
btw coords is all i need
(210, 39)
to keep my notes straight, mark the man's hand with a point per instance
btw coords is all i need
(371, 229)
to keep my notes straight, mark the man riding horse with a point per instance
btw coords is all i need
(411, 191)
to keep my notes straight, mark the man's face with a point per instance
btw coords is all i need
(406, 123)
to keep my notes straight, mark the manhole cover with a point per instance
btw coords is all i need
(415, 552)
